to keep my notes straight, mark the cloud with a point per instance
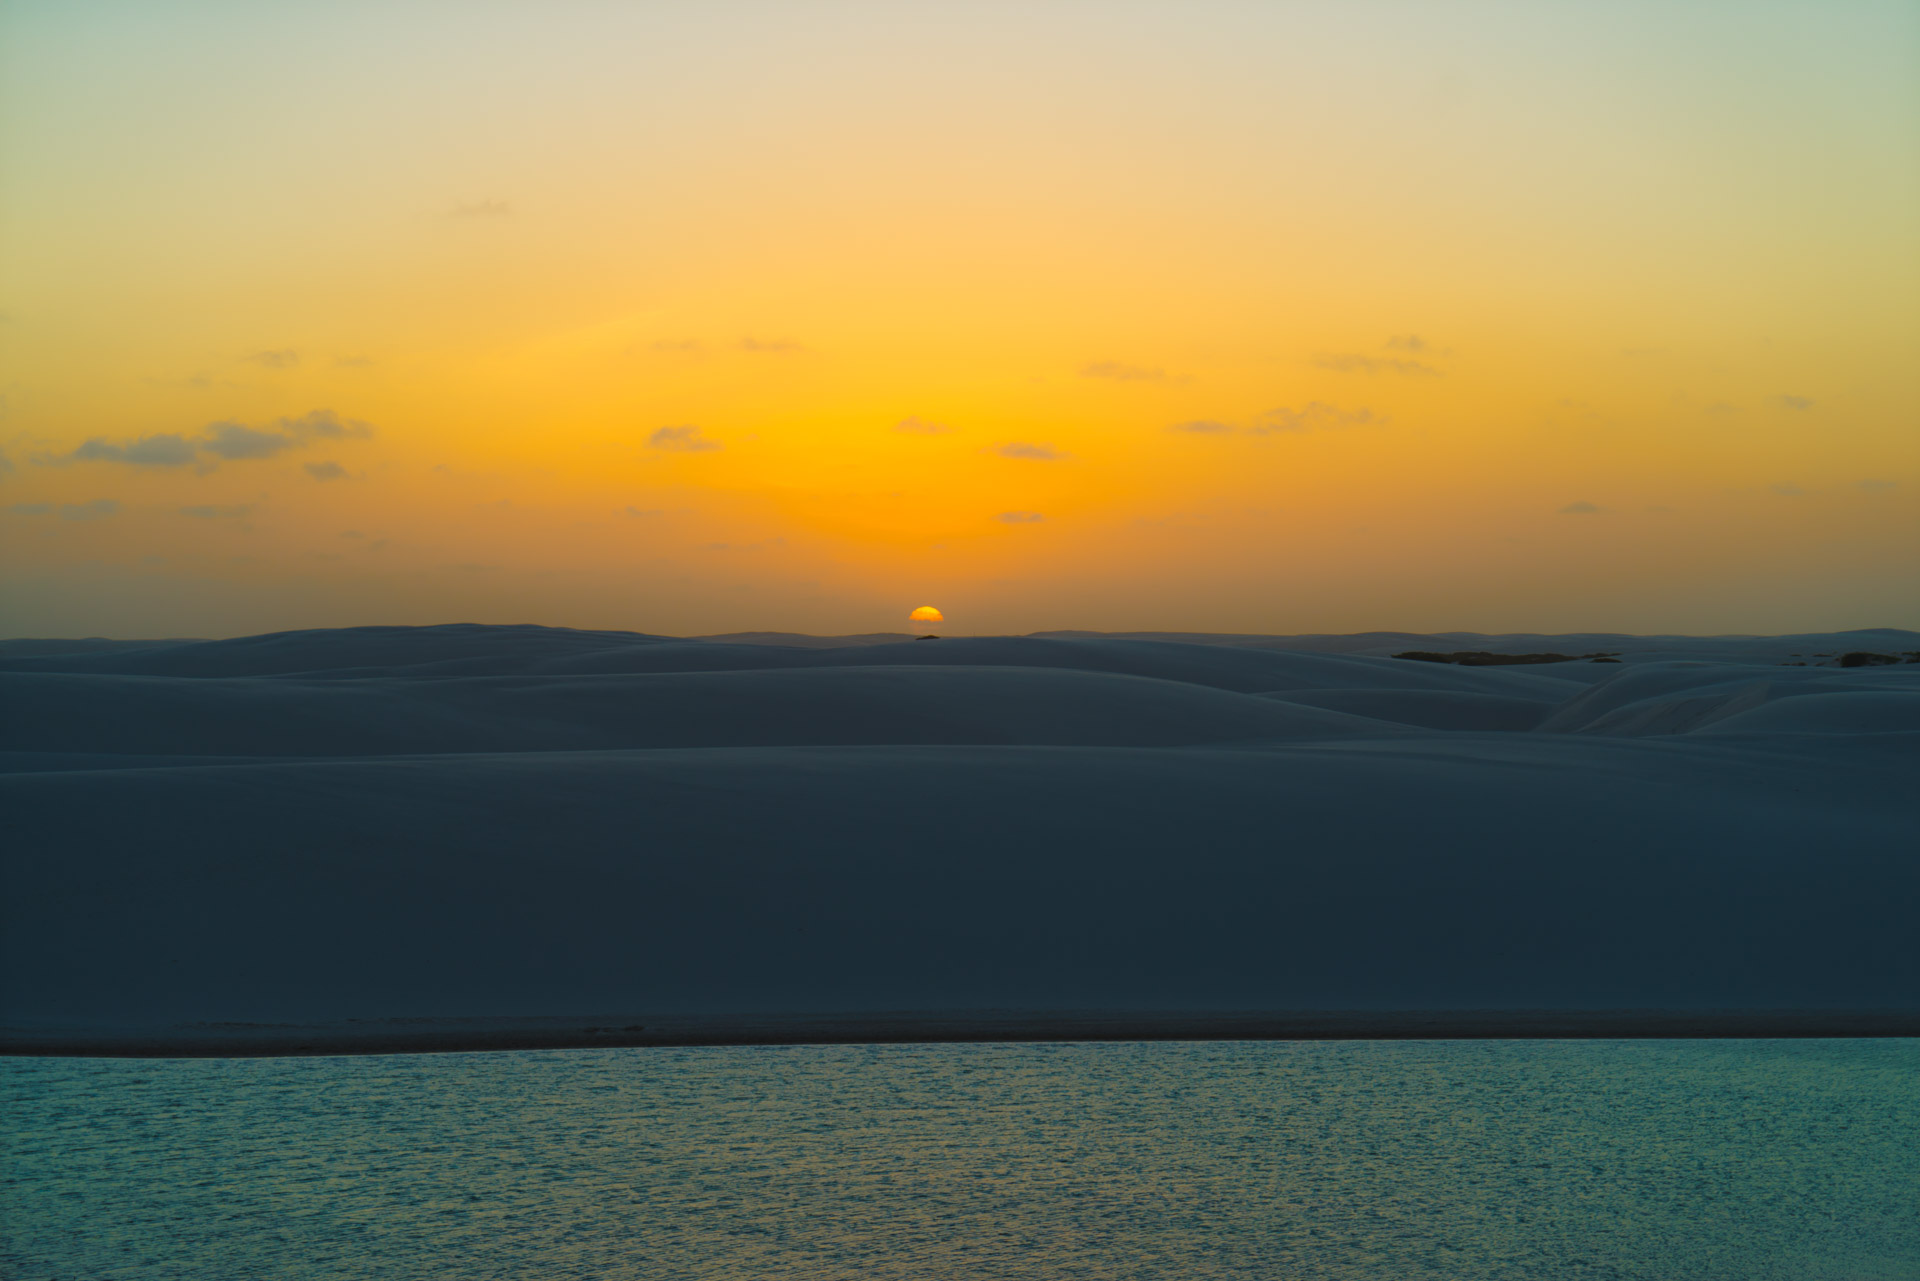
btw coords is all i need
(1582, 509)
(683, 346)
(769, 347)
(1036, 453)
(217, 513)
(1415, 345)
(744, 547)
(234, 442)
(481, 210)
(1314, 416)
(1795, 402)
(921, 427)
(1786, 489)
(1202, 427)
(352, 362)
(326, 471)
(643, 511)
(1878, 486)
(285, 358)
(98, 509)
(1351, 363)
(6, 463)
(685, 439)
(31, 509)
(1019, 518)
(165, 450)
(1115, 371)
(195, 382)
(324, 422)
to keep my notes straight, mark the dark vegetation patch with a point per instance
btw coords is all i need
(1480, 658)
(1862, 658)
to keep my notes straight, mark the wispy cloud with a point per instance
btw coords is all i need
(1787, 489)
(921, 427)
(6, 463)
(1120, 372)
(1795, 402)
(192, 382)
(1315, 416)
(642, 512)
(687, 440)
(218, 513)
(762, 545)
(769, 347)
(231, 442)
(481, 210)
(353, 362)
(1414, 344)
(1019, 518)
(328, 470)
(325, 423)
(285, 358)
(31, 509)
(168, 449)
(1582, 508)
(98, 509)
(1034, 453)
(1878, 486)
(1354, 363)
(237, 443)
(676, 346)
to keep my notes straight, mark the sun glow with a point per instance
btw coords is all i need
(718, 323)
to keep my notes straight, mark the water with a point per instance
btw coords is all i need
(1402, 1160)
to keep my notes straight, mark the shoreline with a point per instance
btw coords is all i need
(449, 1036)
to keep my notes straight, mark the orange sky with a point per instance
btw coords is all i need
(705, 317)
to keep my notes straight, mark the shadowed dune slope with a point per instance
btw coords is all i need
(1429, 708)
(472, 821)
(1680, 698)
(1582, 872)
(69, 713)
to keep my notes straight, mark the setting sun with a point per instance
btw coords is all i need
(926, 614)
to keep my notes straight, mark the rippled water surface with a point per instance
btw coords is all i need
(1325, 1160)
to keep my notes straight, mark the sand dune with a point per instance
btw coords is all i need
(385, 716)
(1430, 708)
(471, 821)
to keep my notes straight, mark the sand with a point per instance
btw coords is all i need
(499, 829)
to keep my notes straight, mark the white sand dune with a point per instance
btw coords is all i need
(385, 716)
(468, 821)
(1429, 708)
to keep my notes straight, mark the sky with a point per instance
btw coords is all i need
(716, 316)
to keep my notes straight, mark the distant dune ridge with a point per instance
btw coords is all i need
(470, 822)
